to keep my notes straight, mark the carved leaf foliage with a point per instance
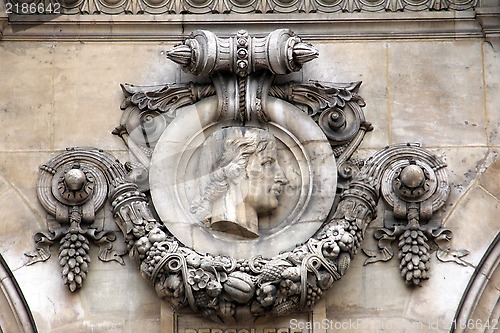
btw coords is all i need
(439, 4)
(217, 286)
(318, 96)
(165, 98)
(394, 5)
(451, 255)
(351, 6)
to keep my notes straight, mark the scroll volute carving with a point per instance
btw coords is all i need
(72, 187)
(242, 70)
(415, 186)
(237, 125)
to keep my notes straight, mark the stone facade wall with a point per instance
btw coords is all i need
(441, 92)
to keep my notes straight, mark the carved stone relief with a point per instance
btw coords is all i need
(414, 185)
(245, 180)
(241, 7)
(72, 187)
(241, 198)
(180, 174)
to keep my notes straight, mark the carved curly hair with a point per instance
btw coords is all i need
(231, 164)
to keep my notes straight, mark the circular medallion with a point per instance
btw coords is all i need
(228, 189)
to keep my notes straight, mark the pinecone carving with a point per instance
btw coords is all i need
(74, 258)
(414, 256)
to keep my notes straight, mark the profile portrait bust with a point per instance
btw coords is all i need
(245, 180)
(238, 167)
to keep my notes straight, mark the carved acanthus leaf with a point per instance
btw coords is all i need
(318, 96)
(165, 98)
(394, 5)
(351, 6)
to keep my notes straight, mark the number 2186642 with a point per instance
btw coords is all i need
(33, 8)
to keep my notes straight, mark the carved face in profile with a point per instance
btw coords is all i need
(246, 181)
(265, 179)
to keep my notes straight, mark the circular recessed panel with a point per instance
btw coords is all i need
(196, 171)
(242, 191)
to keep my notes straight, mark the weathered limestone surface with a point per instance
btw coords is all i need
(423, 85)
(443, 94)
(492, 70)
